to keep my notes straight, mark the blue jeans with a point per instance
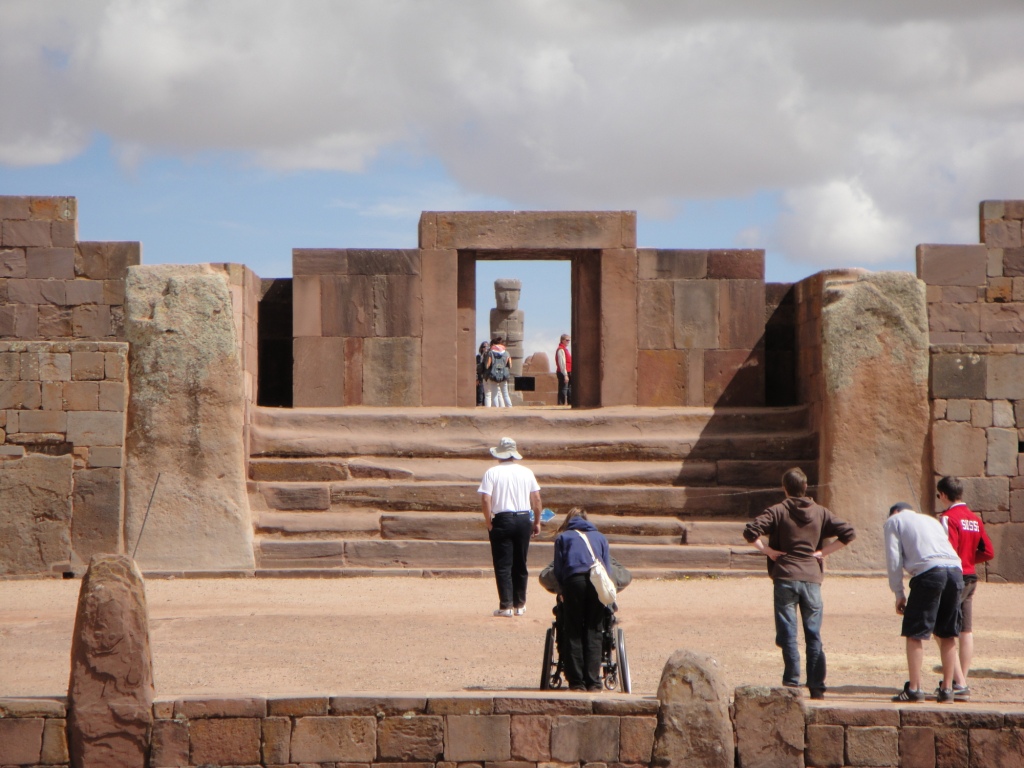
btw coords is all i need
(806, 594)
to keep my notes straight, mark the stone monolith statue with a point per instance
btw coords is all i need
(507, 319)
(110, 695)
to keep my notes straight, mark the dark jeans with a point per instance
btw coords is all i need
(564, 388)
(510, 541)
(582, 617)
(479, 391)
(806, 594)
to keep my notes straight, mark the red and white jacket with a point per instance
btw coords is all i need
(967, 534)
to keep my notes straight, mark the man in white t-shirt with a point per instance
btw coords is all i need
(510, 500)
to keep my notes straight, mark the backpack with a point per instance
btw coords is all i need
(499, 366)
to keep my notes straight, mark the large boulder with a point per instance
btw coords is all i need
(110, 695)
(874, 413)
(35, 514)
(185, 423)
(694, 728)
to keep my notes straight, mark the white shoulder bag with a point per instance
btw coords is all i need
(599, 576)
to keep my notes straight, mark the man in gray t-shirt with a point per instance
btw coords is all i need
(918, 544)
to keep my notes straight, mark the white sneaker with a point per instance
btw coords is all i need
(503, 612)
(520, 611)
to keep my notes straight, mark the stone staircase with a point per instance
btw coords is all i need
(366, 490)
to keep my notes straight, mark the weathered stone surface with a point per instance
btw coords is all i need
(1002, 452)
(769, 727)
(170, 744)
(324, 739)
(1004, 748)
(35, 514)
(318, 371)
(185, 422)
(618, 326)
(741, 326)
(276, 740)
(1008, 542)
(985, 494)
(306, 313)
(952, 264)
(655, 323)
(473, 738)
(531, 737)
(732, 265)
(592, 739)
(319, 261)
(873, 746)
(103, 261)
(110, 696)
(21, 740)
(411, 738)
(959, 375)
(958, 449)
(661, 264)
(528, 229)
(391, 371)
(397, 305)
(440, 350)
(695, 310)
(733, 377)
(694, 727)
(1005, 377)
(917, 747)
(636, 739)
(346, 305)
(55, 743)
(661, 377)
(98, 520)
(225, 741)
(826, 746)
(871, 326)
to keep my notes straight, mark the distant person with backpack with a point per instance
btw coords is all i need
(481, 370)
(498, 370)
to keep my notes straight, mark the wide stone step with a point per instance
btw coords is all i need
(441, 555)
(690, 502)
(662, 473)
(605, 433)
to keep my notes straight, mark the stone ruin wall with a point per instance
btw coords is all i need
(530, 732)
(63, 387)
(976, 323)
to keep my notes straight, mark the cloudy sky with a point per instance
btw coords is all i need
(829, 133)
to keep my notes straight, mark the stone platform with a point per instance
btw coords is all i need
(395, 489)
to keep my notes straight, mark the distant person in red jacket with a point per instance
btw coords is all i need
(966, 533)
(563, 369)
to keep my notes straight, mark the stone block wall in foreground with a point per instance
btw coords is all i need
(976, 324)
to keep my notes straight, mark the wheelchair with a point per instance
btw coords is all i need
(614, 661)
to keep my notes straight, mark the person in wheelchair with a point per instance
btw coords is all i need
(583, 613)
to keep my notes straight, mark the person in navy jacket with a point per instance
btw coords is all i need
(582, 610)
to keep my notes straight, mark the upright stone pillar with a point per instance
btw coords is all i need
(508, 321)
(110, 694)
(694, 727)
(875, 411)
(186, 415)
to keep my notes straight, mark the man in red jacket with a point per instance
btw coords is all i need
(563, 369)
(966, 533)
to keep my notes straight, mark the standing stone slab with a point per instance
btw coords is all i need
(35, 513)
(110, 695)
(875, 413)
(769, 727)
(185, 422)
(694, 728)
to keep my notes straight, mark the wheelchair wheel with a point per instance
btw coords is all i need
(623, 659)
(549, 675)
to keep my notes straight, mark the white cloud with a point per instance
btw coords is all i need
(881, 123)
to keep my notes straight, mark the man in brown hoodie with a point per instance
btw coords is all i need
(796, 531)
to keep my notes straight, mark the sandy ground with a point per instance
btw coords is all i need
(333, 636)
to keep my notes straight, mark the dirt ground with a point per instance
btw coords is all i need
(277, 637)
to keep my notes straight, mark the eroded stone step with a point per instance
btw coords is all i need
(691, 502)
(368, 553)
(607, 433)
(678, 473)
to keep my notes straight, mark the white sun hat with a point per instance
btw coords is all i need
(506, 449)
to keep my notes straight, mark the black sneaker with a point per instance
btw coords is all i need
(817, 693)
(908, 695)
(961, 692)
(943, 694)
